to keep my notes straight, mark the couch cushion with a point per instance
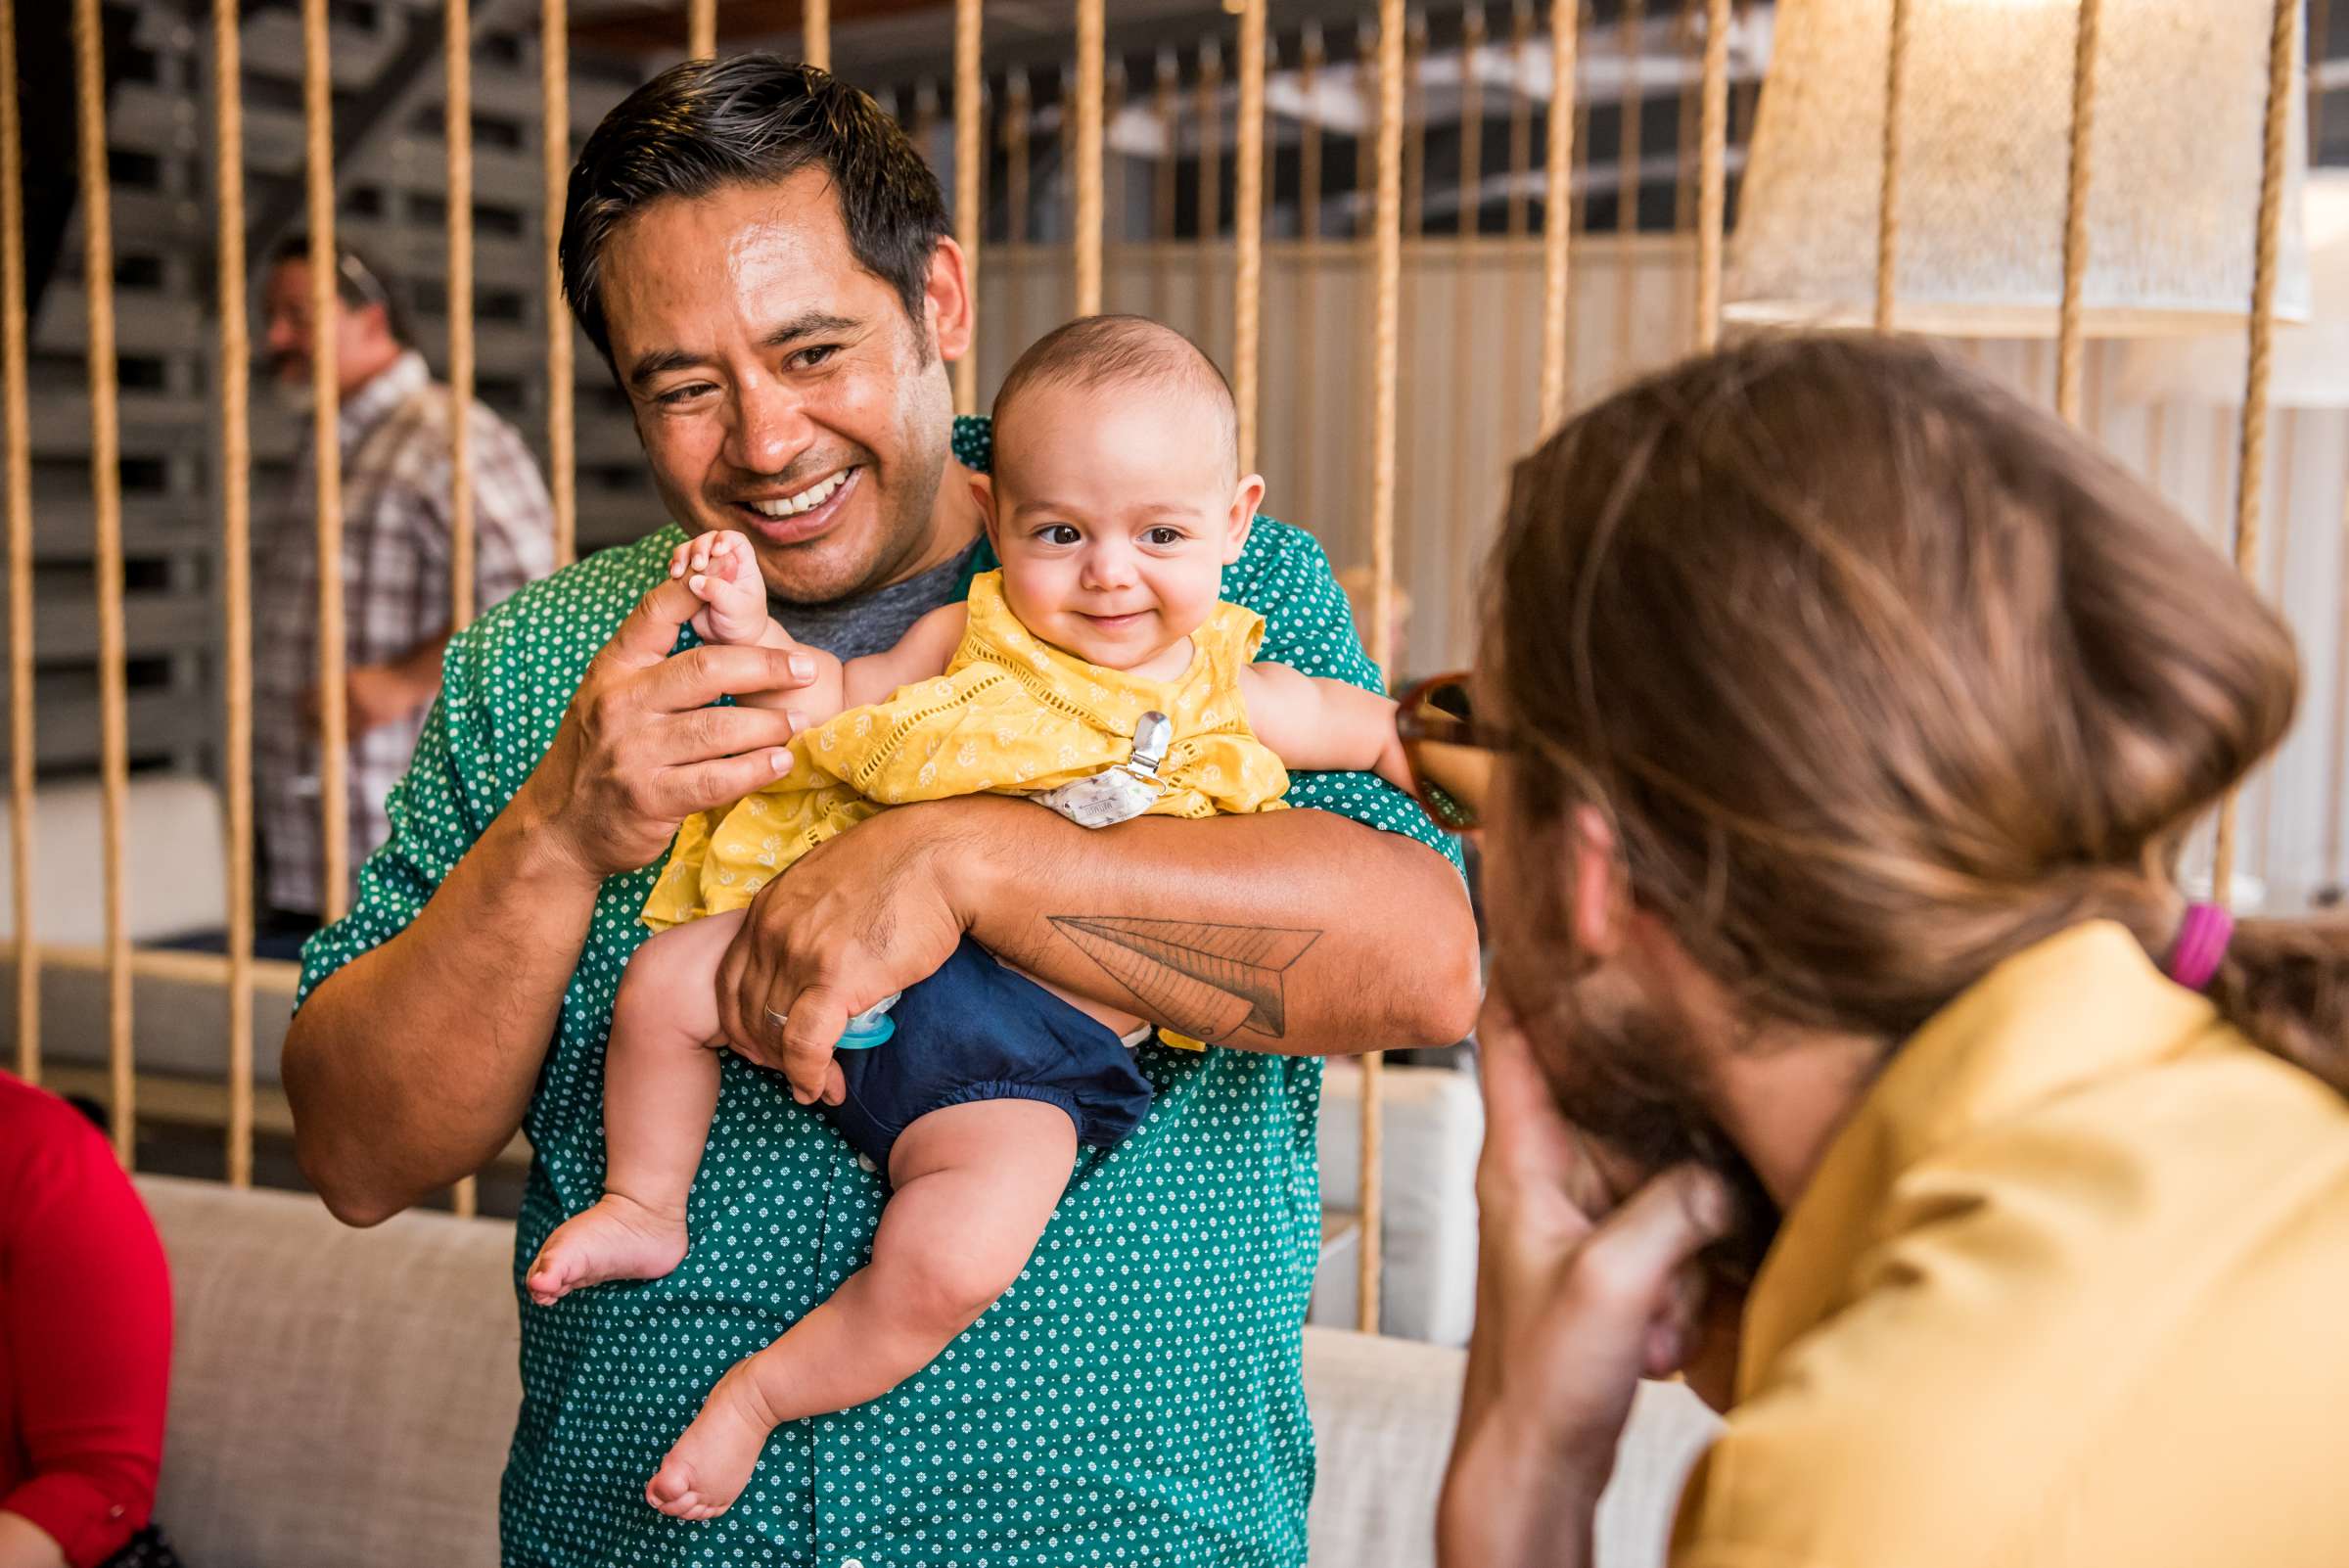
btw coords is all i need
(345, 1397)
(338, 1396)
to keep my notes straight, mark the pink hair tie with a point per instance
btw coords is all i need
(2203, 939)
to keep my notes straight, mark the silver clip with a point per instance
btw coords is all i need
(1151, 734)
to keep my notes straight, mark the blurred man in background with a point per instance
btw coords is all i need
(396, 580)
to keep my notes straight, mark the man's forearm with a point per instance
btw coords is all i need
(411, 1067)
(1294, 931)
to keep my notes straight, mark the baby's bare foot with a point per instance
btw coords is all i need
(720, 567)
(614, 1238)
(710, 1465)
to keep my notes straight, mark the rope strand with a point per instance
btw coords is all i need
(236, 550)
(106, 484)
(2075, 216)
(12, 351)
(2252, 467)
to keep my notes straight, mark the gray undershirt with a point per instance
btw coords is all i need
(851, 629)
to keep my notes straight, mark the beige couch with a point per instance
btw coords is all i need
(344, 1396)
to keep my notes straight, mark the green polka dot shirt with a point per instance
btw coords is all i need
(1136, 1398)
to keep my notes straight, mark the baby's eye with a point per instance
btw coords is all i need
(1162, 537)
(1058, 533)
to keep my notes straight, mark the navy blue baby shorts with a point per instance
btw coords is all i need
(977, 1031)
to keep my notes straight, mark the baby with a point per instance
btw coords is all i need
(1097, 673)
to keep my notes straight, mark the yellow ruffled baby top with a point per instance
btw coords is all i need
(1011, 715)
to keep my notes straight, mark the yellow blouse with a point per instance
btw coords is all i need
(2065, 1290)
(1011, 715)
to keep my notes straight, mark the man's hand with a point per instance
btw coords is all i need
(1577, 1298)
(641, 749)
(865, 915)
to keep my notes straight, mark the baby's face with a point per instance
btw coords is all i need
(1114, 512)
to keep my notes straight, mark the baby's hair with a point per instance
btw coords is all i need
(1107, 352)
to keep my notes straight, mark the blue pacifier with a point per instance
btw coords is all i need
(872, 1027)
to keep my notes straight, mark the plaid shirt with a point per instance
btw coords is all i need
(395, 585)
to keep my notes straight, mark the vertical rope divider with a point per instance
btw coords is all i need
(1712, 175)
(1414, 141)
(13, 353)
(1888, 219)
(333, 728)
(1163, 181)
(815, 34)
(236, 547)
(1557, 215)
(458, 132)
(1630, 39)
(1514, 211)
(2252, 467)
(1685, 129)
(1366, 144)
(106, 484)
(1114, 229)
(701, 30)
(1210, 185)
(1247, 228)
(970, 152)
(1463, 299)
(2075, 213)
(1312, 56)
(1090, 88)
(1385, 341)
(1018, 107)
(562, 384)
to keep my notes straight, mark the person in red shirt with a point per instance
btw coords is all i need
(85, 1340)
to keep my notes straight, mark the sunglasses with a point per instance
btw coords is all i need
(1450, 755)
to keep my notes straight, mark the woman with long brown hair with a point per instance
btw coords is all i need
(1840, 725)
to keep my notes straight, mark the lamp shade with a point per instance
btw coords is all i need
(2309, 366)
(2175, 150)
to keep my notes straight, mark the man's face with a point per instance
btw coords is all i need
(361, 336)
(1116, 511)
(778, 387)
(1620, 1067)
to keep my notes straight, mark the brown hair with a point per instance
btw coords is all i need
(1094, 352)
(1881, 676)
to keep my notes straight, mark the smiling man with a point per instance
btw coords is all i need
(764, 259)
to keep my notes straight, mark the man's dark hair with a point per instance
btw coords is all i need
(358, 282)
(750, 119)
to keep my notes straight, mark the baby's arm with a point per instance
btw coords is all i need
(926, 649)
(1319, 726)
(722, 570)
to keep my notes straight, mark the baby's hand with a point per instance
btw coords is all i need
(720, 567)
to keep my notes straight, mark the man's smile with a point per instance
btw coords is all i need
(798, 516)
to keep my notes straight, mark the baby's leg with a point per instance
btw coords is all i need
(976, 1184)
(660, 1092)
